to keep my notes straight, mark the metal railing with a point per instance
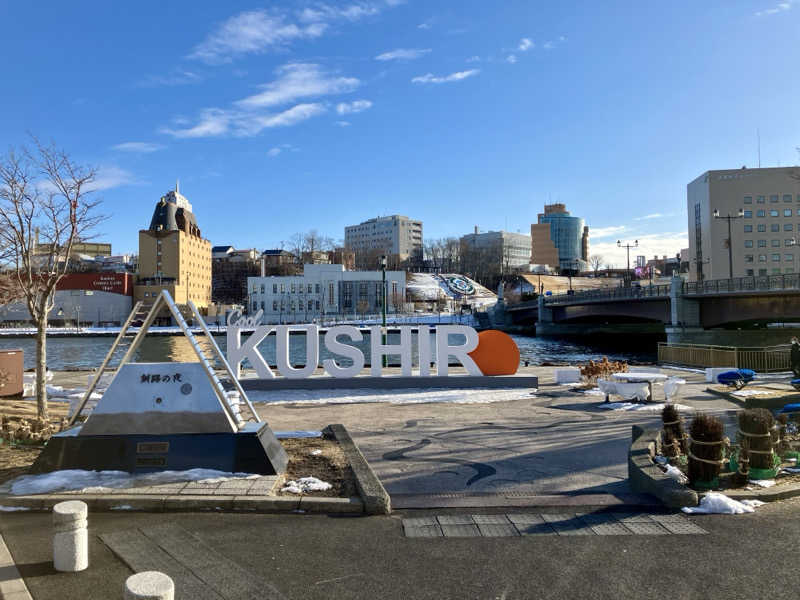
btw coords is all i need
(644, 291)
(765, 359)
(758, 283)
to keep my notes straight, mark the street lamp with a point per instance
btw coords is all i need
(383, 303)
(729, 218)
(628, 248)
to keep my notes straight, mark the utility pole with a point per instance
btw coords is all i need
(383, 302)
(628, 248)
(729, 218)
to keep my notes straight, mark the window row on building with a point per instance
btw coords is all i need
(773, 199)
(762, 227)
(773, 243)
(762, 213)
(776, 257)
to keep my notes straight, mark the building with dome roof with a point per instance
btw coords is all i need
(173, 254)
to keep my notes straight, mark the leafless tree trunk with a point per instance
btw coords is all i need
(44, 210)
(596, 261)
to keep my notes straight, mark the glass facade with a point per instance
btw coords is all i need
(566, 232)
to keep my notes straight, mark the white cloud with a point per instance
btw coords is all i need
(342, 123)
(254, 31)
(403, 54)
(177, 77)
(602, 232)
(654, 216)
(778, 8)
(424, 26)
(217, 122)
(298, 80)
(548, 45)
(140, 147)
(346, 108)
(272, 152)
(473, 59)
(431, 78)
(261, 30)
(525, 44)
(111, 177)
(511, 59)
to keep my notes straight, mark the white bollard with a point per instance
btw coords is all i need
(149, 585)
(70, 538)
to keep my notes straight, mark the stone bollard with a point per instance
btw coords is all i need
(70, 539)
(149, 585)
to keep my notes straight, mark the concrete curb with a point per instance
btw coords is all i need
(376, 499)
(755, 401)
(766, 494)
(12, 586)
(645, 476)
(189, 503)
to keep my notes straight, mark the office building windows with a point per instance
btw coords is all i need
(274, 288)
(748, 228)
(748, 258)
(787, 198)
(748, 199)
(762, 227)
(787, 212)
(762, 243)
(774, 213)
(773, 198)
(274, 305)
(788, 242)
(776, 243)
(787, 226)
(762, 271)
(748, 243)
(788, 257)
(761, 213)
(775, 227)
(749, 272)
(776, 258)
(748, 214)
(761, 199)
(762, 258)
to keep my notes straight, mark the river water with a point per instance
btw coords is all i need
(87, 352)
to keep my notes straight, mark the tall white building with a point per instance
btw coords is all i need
(324, 291)
(763, 241)
(508, 250)
(393, 235)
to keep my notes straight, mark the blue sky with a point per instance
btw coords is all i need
(282, 117)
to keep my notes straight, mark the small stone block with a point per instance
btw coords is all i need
(497, 530)
(610, 529)
(525, 519)
(535, 529)
(425, 531)
(455, 520)
(685, 528)
(490, 519)
(419, 521)
(461, 530)
(149, 585)
(556, 518)
(646, 528)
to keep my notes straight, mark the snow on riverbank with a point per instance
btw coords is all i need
(401, 396)
(636, 407)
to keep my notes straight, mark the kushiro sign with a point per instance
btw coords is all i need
(337, 341)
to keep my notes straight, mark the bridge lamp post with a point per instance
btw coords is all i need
(729, 218)
(628, 248)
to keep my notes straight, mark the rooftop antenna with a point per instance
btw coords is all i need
(758, 135)
(177, 185)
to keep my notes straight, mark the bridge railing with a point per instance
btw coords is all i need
(644, 291)
(764, 359)
(758, 283)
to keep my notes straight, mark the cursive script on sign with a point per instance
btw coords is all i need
(235, 319)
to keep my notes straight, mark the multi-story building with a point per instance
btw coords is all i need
(559, 240)
(230, 269)
(173, 255)
(395, 236)
(324, 291)
(505, 250)
(763, 241)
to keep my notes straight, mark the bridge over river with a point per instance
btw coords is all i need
(725, 311)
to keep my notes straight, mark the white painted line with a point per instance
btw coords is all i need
(11, 584)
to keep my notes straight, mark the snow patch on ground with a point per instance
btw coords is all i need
(635, 407)
(101, 481)
(282, 435)
(122, 507)
(747, 393)
(765, 483)
(13, 508)
(402, 396)
(305, 485)
(714, 502)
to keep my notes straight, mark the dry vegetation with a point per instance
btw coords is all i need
(330, 465)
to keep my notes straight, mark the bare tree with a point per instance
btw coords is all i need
(44, 209)
(596, 261)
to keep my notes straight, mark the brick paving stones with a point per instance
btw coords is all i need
(562, 524)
